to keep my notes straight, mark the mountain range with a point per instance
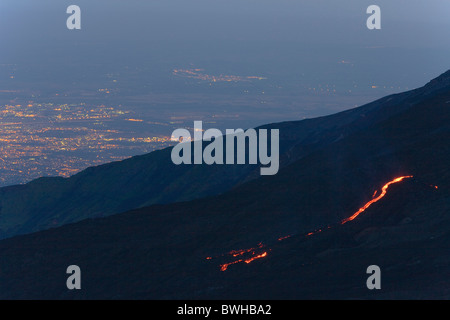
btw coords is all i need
(144, 228)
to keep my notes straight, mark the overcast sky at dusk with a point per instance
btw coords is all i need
(34, 31)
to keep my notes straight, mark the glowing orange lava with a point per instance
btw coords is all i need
(259, 256)
(224, 267)
(254, 256)
(236, 253)
(368, 204)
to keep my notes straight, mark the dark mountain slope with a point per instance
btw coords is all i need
(160, 251)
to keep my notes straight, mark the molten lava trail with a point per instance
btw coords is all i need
(224, 267)
(368, 204)
(257, 253)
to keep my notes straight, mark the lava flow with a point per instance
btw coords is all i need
(237, 253)
(368, 204)
(257, 253)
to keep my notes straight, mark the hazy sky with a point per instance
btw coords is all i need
(279, 35)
